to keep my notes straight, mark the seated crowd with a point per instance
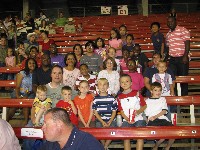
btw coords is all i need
(93, 85)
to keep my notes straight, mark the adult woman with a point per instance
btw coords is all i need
(70, 73)
(45, 43)
(111, 75)
(24, 87)
(78, 51)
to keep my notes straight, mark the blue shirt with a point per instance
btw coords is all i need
(78, 140)
(157, 41)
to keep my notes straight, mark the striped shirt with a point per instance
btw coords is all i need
(175, 40)
(104, 105)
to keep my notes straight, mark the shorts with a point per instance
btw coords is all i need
(99, 124)
(159, 122)
(139, 123)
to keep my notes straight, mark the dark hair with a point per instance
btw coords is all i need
(131, 35)
(66, 56)
(80, 48)
(117, 32)
(45, 32)
(90, 42)
(155, 23)
(34, 47)
(60, 114)
(103, 42)
(26, 69)
(113, 61)
(157, 54)
(125, 75)
(124, 26)
(57, 66)
(155, 84)
(83, 65)
(174, 18)
(67, 88)
(13, 51)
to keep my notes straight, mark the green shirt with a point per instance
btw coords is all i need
(3, 54)
(61, 21)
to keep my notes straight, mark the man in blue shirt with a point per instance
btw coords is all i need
(61, 134)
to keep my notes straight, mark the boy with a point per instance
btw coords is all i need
(131, 105)
(68, 104)
(40, 105)
(156, 112)
(104, 107)
(129, 43)
(164, 79)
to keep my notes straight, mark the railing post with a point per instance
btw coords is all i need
(4, 112)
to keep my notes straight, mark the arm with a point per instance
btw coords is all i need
(18, 84)
(158, 115)
(146, 83)
(141, 109)
(81, 117)
(112, 118)
(99, 118)
(73, 107)
(172, 89)
(187, 49)
(33, 114)
(120, 46)
(90, 117)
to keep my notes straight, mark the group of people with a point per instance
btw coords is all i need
(94, 86)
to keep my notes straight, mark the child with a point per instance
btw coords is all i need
(21, 53)
(51, 29)
(40, 105)
(156, 112)
(111, 75)
(10, 61)
(79, 28)
(129, 43)
(131, 105)
(116, 42)
(91, 79)
(100, 50)
(157, 39)
(137, 78)
(68, 104)
(140, 58)
(124, 60)
(83, 103)
(164, 79)
(104, 106)
(123, 33)
(112, 53)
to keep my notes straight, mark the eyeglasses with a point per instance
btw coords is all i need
(109, 62)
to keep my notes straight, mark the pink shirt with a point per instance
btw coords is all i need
(115, 43)
(123, 66)
(10, 61)
(175, 40)
(137, 80)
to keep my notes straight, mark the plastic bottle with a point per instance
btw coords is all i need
(119, 119)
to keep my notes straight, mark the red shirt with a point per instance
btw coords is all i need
(68, 108)
(45, 46)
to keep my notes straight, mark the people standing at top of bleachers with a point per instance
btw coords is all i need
(31, 41)
(178, 43)
(45, 43)
(24, 88)
(140, 58)
(158, 39)
(156, 112)
(123, 33)
(78, 51)
(93, 60)
(116, 42)
(70, 72)
(150, 71)
(123, 61)
(30, 22)
(61, 20)
(129, 43)
(137, 78)
(111, 75)
(173, 13)
(70, 27)
(100, 48)
(56, 59)
(42, 75)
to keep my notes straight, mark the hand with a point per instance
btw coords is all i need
(70, 102)
(131, 122)
(109, 123)
(152, 118)
(104, 124)
(185, 59)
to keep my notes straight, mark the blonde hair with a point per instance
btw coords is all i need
(102, 80)
(162, 62)
(41, 88)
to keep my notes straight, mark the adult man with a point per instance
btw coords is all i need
(8, 140)
(149, 72)
(42, 75)
(94, 61)
(54, 87)
(61, 134)
(178, 42)
(55, 57)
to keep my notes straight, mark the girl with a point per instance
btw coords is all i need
(70, 73)
(137, 78)
(43, 26)
(100, 50)
(124, 60)
(111, 75)
(78, 51)
(116, 42)
(10, 61)
(112, 53)
(21, 55)
(129, 43)
(84, 103)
